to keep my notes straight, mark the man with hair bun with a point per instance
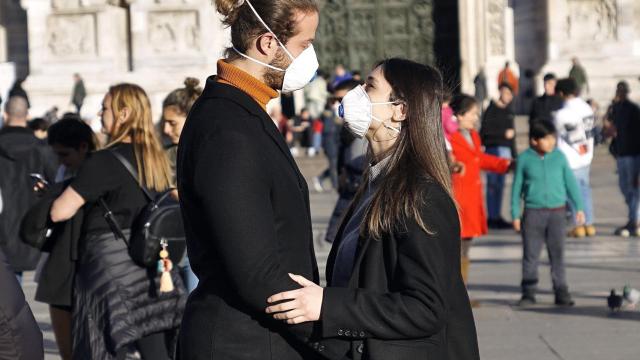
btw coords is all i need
(245, 202)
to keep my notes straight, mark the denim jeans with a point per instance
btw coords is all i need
(582, 178)
(190, 279)
(628, 175)
(495, 183)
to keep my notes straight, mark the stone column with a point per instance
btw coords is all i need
(486, 40)
(3, 44)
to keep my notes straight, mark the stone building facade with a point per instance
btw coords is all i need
(157, 43)
(154, 43)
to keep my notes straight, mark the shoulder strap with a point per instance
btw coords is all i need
(132, 171)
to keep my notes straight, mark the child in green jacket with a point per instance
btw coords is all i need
(545, 181)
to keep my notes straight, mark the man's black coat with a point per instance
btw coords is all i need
(247, 219)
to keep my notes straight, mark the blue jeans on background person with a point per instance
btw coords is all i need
(190, 279)
(628, 176)
(495, 183)
(317, 142)
(582, 178)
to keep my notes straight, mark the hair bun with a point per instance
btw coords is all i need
(228, 9)
(191, 83)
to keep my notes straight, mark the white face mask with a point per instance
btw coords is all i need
(357, 111)
(301, 70)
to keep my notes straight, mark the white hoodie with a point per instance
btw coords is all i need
(574, 123)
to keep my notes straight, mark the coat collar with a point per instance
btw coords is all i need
(215, 89)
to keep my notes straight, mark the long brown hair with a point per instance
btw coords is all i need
(419, 153)
(152, 162)
(245, 26)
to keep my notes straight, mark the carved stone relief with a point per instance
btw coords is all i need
(174, 32)
(591, 20)
(70, 35)
(496, 24)
(78, 4)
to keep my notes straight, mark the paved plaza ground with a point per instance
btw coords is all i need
(594, 266)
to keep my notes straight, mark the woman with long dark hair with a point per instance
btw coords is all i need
(394, 285)
(117, 304)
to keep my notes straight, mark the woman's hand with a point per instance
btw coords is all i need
(302, 305)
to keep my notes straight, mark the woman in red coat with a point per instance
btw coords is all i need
(467, 185)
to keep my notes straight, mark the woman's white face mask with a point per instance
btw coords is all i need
(357, 111)
(302, 68)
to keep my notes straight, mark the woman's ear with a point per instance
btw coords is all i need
(123, 115)
(399, 112)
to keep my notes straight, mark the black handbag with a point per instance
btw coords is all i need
(159, 223)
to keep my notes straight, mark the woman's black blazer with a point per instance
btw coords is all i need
(406, 299)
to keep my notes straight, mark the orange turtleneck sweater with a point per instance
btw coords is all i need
(234, 76)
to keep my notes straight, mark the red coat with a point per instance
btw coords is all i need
(467, 187)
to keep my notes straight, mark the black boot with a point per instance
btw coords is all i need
(529, 288)
(563, 298)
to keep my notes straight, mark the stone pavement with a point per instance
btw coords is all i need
(594, 265)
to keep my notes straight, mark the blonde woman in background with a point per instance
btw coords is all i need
(117, 305)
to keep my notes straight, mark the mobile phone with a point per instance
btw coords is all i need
(37, 178)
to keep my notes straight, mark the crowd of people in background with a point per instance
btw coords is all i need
(63, 158)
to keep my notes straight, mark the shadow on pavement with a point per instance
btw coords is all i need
(591, 311)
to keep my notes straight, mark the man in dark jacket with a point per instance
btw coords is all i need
(498, 136)
(244, 200)
(20, 337)
(24, 154)
(624, 115)
(545, 105)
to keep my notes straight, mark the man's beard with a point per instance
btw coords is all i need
(274, 78)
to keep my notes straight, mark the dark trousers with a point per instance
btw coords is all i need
(151, 347)
(539, 227)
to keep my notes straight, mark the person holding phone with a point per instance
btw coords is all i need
(72, 141)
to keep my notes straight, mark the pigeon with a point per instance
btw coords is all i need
(631, 295)
(614, 301)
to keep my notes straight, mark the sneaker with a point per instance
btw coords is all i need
(577, 232)
(590, 230)
(527, 300)
(317, 185)
(625, 231)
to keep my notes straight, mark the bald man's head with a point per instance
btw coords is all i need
(16, 111)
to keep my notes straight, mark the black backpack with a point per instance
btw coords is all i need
(159, 223)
